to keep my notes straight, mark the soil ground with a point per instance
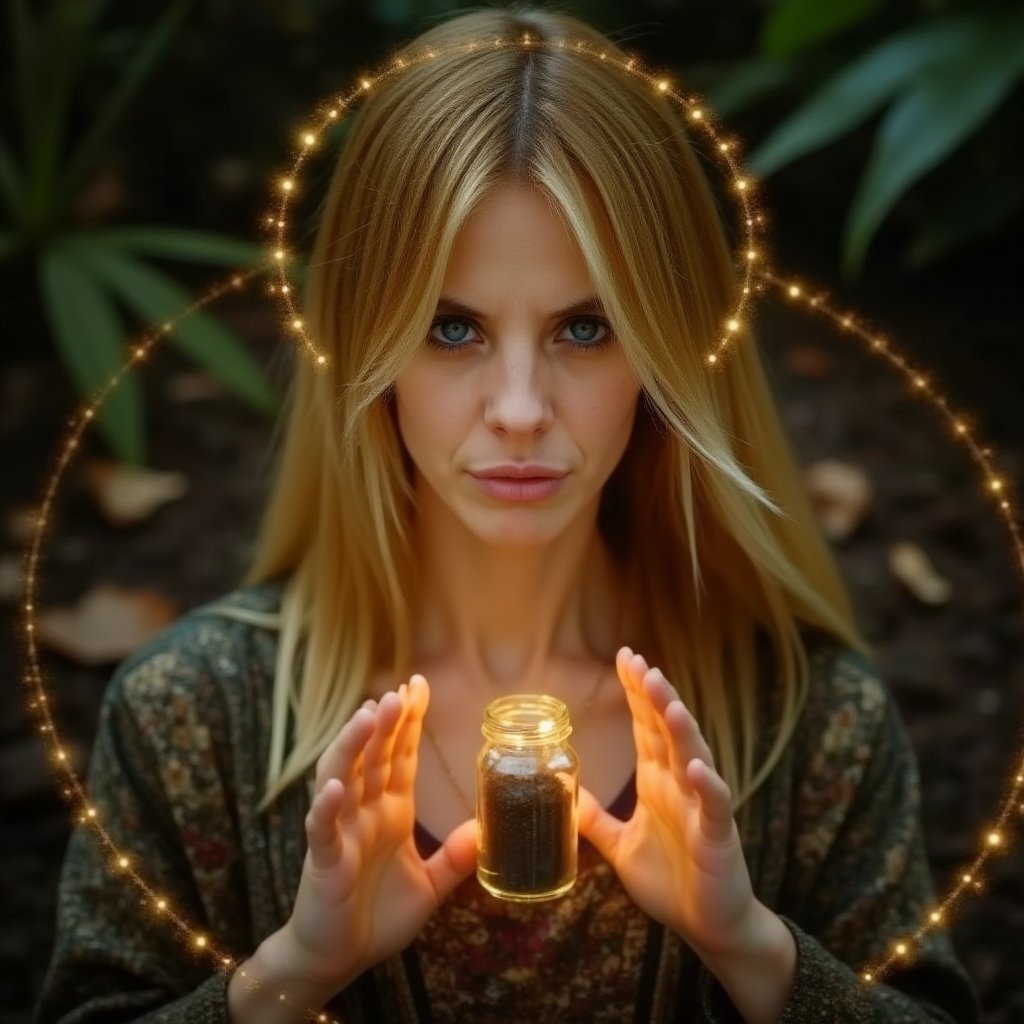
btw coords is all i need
(956, 669)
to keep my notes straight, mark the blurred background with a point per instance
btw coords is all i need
(138, 144)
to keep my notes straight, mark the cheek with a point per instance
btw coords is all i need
(612, 407)
(608, 424)
(413, 400)
(428, 417)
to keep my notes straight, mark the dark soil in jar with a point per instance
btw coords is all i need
(528, 838)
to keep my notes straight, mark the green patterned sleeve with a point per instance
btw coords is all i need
(159, 789)
(858, 878)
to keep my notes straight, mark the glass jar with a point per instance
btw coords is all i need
(527, 790)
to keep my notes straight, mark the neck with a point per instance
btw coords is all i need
(507, 614)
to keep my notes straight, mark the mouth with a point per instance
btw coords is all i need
(498, 477)
(504, 488)
(504, 474)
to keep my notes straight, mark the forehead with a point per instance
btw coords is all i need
(516, 237)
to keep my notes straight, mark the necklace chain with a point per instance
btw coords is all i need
(447, 769)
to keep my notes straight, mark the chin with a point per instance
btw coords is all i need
(518, 528)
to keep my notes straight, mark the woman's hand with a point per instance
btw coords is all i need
(679, 855)
(365, 892)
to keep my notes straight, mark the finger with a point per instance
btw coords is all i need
(638, 673)
(597, 825)
(622, 667)
(377, 754)
(687, 741)
(405, 756)
(654, 735)
(660, 692)
(454, 861)
(716, 815)
(322, 826)
(339, 759)
(657, 693)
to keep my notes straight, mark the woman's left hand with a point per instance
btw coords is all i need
(679, 855)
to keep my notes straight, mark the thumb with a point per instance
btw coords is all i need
(600, 827)
(454, 861)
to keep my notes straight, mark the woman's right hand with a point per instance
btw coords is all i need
(365, 892)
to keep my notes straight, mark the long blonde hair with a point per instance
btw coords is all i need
(706, 512)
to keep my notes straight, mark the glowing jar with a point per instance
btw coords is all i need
(527, 789)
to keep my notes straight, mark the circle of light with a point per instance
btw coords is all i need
(754, 280)
(749, 258)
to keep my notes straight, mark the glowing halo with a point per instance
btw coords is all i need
(39, 704)
(749, 259)
(122, 863)
(969, 880)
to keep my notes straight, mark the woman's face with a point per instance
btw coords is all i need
(520, 380)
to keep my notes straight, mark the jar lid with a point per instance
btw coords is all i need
(526, 718)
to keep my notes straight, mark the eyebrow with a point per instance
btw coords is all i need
(591, 304)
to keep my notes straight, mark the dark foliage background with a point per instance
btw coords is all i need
(195, 147)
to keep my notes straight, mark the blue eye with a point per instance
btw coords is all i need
(588, 343)
(446, 323)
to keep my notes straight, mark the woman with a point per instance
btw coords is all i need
(517, 270)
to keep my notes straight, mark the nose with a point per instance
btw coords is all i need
(518, 395)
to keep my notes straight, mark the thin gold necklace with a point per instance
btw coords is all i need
(446, 767)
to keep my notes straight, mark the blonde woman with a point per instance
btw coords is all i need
(518, 475)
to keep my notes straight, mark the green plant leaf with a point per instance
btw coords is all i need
(943, 107)
(796, 25)
(143, 62)
(860, 89)
(752, 81)
(61, 47)
(155, 299)
(90, 339)
(75, 21)
(48, 47)
(181, 244)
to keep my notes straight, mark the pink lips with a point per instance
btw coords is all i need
(511, 483)
(518, 471)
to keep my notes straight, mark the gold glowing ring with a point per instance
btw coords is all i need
(997, 490)
(749, 259)
(754, 279)
(121, 862)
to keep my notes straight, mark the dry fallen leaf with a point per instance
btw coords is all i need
(911, 565)
(20, 522)
(841, 494)
(107, 624)
(193, 386)
(126, 494)
(10, 578)
(809, 361)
